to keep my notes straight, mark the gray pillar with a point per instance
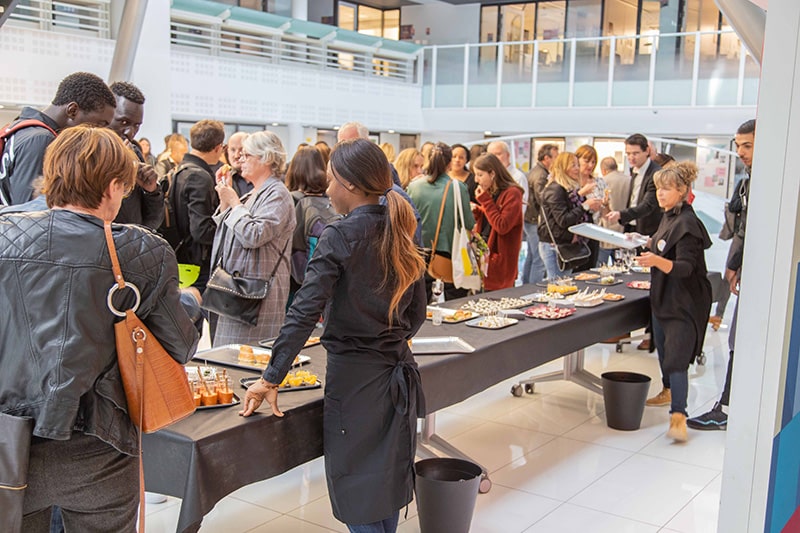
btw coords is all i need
(127, 40)
(748, 21)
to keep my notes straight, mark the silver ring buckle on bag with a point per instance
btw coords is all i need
(114, 289)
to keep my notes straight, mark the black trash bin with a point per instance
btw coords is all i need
(446, 493)
(624, 395)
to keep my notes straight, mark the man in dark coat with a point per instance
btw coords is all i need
(80, 98)
(145, 205)
(196, 199)
(642, 214)
(717, 417)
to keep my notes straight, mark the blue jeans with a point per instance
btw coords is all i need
(387, 525)
(533, 271)
(548, 254)
(676, 382)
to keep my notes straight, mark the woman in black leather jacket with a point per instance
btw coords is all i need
(58, 361)
(561, 207)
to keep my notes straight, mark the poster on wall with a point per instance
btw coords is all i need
(522, 154)
(712, 167)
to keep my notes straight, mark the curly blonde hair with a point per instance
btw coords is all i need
(678, 175)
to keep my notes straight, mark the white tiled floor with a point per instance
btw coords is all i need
(554, 464)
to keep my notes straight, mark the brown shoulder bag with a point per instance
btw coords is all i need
(440, 267)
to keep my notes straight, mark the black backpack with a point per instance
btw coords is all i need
(169, 229)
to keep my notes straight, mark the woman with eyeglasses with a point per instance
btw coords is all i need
(254, 236)
(366, 274)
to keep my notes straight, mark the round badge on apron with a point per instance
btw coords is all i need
(661, 245)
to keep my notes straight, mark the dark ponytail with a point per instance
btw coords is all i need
(362, 163)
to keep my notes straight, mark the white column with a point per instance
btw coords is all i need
(296, 136)
(300, 9)
(772, 252)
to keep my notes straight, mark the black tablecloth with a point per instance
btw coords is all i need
(212, 453)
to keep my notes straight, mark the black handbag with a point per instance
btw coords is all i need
(234, 296)
(15, 446)
(729, 226)
(570, 255)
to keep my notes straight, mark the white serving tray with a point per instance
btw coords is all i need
(614, 238)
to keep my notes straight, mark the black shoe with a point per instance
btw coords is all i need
(714, 419)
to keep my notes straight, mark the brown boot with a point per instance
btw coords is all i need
(715, 322)
(677, 427)
(662, 398)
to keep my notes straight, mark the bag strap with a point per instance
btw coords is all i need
(138, 339)
(439, 223)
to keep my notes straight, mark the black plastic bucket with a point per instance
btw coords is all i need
(446, 493)
(624, 394)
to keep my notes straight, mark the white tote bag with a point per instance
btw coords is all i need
(466, 273)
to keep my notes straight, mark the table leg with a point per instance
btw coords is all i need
(429, 440)
(573, 371)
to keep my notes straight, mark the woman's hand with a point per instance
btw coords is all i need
(649, 259)
(478, 190)
(256, 394)
(593, 204)
(227, 196)
(586, 189)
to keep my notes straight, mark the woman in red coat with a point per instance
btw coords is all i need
(498, 218)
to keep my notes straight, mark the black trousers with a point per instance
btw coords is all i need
(96, 486)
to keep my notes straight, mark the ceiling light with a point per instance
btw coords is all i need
(336, 127)
(274, 123)
(487, 132)
(391, 131)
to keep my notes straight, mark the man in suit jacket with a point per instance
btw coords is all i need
(642, 214)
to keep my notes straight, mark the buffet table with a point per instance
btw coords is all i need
(212, 453)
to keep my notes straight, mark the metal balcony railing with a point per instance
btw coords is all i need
(703, 69)
(85, 17)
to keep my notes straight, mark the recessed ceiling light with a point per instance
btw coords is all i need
(391, 131)
(274, 123)
(336, 127)
(487, 132)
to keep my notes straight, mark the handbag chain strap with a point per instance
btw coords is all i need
(439, 223)
(138, 338)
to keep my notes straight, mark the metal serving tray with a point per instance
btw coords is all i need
(615, 238)
(440, 345)
(229, 355)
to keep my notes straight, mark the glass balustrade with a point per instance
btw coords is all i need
(681, 69)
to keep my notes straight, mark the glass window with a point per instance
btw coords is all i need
(550, 25)
(279, 7)
(489, 17)
(370, 21)
(391, 24)
(347, 16)
(620, 19)
(584, 18)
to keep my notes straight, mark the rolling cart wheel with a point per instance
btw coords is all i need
(529, 388)
(701, 359)
(619, 347)
(485, 485)
(516, 390)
